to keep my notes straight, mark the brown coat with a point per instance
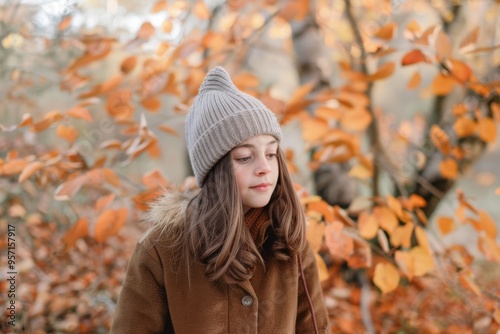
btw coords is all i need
(155, 298)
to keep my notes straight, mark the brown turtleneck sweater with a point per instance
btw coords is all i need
(257, 221)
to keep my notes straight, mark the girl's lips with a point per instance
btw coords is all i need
(261, 187)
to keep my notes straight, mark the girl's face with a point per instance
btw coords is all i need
(255, 166)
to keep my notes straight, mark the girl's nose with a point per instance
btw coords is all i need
(264, 167)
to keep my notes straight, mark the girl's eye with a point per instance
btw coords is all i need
(244, 159)
(272, 155)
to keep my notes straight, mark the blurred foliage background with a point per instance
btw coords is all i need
(390, 111)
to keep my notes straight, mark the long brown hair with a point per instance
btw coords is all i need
(215, 231)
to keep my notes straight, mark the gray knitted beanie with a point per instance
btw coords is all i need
(220, 118)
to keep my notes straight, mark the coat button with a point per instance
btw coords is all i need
(247, 301)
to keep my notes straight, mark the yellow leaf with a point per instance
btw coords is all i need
(109, 223)
(423, 262)
(360, 172)
(356, 119)
(440, 139)
(68, 133)
(313, 128)
(383, 72)
(30, 169)
(386, 219)
(405, 263)
(322, 270)
(460, 71)
(414, 81)
(167, 26)
(328, 113)
(487, 129)
(449, 168)
(401, 236)
(79, 230)
(159, 6)
(386, 277)
(201, 10)
(422, 238)
(446, 225)
(315, 233)
(367, 225)
(442, 84)
(386, 32)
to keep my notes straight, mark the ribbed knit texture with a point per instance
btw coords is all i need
(220, 118)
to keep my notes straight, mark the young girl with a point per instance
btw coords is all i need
(233, 256)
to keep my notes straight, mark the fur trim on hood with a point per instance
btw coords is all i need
(168, 211)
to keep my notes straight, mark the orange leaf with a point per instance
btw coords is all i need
(246, 80)
(68, 133)
(414, 81)
(80, 112)
(315, 233)
(69, 188)
(201, 10)
(111, 144)
(323, 208)
(216, 42)
(104, 201)
(386, 277)
(168, 129)
(386, 32)
(339, 244)
(360, 172)
(313, 128)
(382, 240)
(412, 30)
(111, 84)
(27, 120)
(367, 225)
(489, 247)
(30, 169)
(79, 230)
(128, 64)
(386, 219)
(464, 127)
(446, 225)
(449, 168)
(442, 84)
(443, 45)
(327, 113)
(167, 26)
(159, 6)
(487, 129)
(466, 277)
(383, 72)
(460, 71)
(495, 110)
(487, 224)
(440, 139)
(146, 31)
(496, 316)
(356, 120)
(151, 103)
(154, 179)
(469, 41)
(413, 57)
(65, 23)
(109, 223)
(401, 236)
